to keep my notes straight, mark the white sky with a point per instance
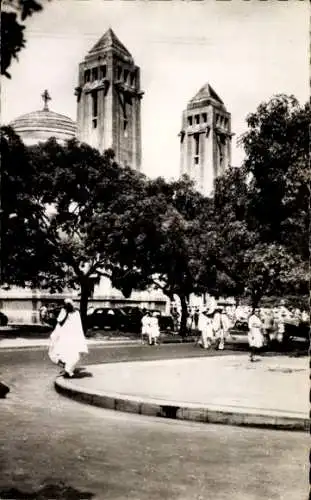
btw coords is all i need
(247, 50)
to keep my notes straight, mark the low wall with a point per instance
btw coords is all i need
(26, 309)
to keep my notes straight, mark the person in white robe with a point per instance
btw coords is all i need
(221, 327)
(205, 326)
(67, 340)
(255, 334)
(145, 325)
(153, 329)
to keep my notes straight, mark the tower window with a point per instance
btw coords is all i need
(125, 75)
(94, 104)
(94, 74)
(125, 124)
(204, 117)
(197, 144)
(132, 79)
(197, 119)
(119, 72)
(190, 121)
(103, 71)
(87, 76)
(221, 158)
(196, 148)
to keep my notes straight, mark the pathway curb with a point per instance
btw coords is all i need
(182, 411)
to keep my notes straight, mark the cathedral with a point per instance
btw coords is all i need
(109, 100)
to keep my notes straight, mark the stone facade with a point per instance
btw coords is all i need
(109, 101)
(205, 139)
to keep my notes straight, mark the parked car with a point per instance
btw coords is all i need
(134, 316)
(166, 323)
(3, 319)
(301, 330)
(238, 333)
(106, 318)
(50, 313)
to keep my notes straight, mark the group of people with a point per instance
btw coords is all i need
(150, 328)
(212, 323)
(264, 324)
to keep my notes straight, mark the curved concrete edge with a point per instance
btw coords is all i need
(182, 411)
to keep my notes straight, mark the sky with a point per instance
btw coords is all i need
(248, 50)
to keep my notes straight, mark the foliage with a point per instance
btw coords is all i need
(78, 216)
(22, 216)
(262, 209)
(80, 196)
(12, 32)
(277, 160)
(166, 246)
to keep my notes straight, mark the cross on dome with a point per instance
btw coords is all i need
(46, 98)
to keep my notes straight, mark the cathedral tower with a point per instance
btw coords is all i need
(205, 139)
(109, 97)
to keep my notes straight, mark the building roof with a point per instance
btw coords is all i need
(109, 41)
(45, 121)
(208, 94)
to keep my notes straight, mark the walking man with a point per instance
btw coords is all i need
(67, 340)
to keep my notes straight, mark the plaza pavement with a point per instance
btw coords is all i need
(271, 392)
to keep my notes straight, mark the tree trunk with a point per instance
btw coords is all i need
(184, 316)
(256, 298)
(85, 287)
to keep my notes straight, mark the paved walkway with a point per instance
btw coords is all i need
(271, 392)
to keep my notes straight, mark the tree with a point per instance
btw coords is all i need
(80, 196)
(277, 160)
(167, 247)
(12, 32)
(22, 215)
(94, 218)
(262, 208)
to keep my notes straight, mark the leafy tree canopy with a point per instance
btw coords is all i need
(277, 160)
(12, 31)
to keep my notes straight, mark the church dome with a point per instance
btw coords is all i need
(39, 126)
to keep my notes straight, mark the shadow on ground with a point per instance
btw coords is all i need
(82, 373)
(48, 492)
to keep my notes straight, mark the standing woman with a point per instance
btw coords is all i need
(145, 326)
(255, 334)
(153, 329)
(67, 340)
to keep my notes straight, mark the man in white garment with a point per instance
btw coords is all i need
(205, 326)
(255, 334)
(67, 340)
(153, 329)
(282, 315)
(145, 326)
(221, 326)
